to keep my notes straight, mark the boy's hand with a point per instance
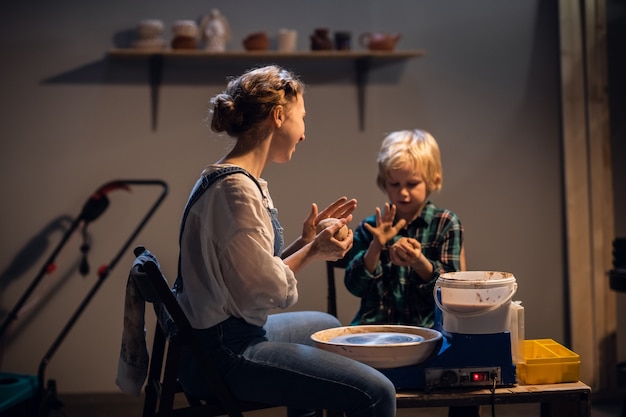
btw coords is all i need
(385, 230)
(405, 252)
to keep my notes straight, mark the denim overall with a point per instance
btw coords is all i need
(203, 184)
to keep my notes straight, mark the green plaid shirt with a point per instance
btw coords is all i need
(395, 294)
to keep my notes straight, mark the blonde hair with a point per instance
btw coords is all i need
(416, 147)
(250, 98)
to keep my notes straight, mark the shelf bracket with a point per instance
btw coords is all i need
(155, 68)
(361, 68)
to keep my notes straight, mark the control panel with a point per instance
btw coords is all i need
(486, 376)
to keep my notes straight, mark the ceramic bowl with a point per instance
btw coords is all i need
(150, 29)
(258, 41)
(381, 346)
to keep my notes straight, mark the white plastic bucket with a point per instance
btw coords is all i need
(475, 302)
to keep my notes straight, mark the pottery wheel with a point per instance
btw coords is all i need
(376, 338)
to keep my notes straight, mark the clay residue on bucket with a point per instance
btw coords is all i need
(490, 274)
(488, 297)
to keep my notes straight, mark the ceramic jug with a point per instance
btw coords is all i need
(215, 31)
(320, 40)
(379, 41)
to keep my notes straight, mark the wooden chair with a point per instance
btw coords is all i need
(173, 332)
(331, 306)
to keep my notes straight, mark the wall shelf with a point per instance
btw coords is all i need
(363, 61)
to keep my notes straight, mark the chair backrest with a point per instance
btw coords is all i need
(173, 331)
(342, 263)
(331, 305)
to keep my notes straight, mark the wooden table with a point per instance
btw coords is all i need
(566, 399)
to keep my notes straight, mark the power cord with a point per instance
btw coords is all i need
(494, 377)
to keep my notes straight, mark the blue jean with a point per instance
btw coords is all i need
(279, 364)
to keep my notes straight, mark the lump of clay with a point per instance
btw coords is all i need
(341, 233)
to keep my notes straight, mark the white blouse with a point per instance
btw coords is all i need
(227, 256)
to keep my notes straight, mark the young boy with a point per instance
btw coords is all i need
(400, 251)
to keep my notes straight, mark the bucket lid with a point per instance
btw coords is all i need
(475, 279)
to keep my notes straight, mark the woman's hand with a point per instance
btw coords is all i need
(327, 247)
(385, 230)
(322, 246)
(342, 208)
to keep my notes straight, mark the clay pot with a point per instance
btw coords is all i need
(343, 41)
(185, 34)
(258, 41)
(184, 42)
(320, 40)
(379, 41)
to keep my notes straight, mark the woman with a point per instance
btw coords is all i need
(234, 270)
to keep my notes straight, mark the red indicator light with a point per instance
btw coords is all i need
(479, 376)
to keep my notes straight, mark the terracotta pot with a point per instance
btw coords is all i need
(379, 41)
(258, 41)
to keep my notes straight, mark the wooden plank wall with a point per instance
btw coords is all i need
(588, 189)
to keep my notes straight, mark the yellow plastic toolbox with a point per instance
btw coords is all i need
(547, 362)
